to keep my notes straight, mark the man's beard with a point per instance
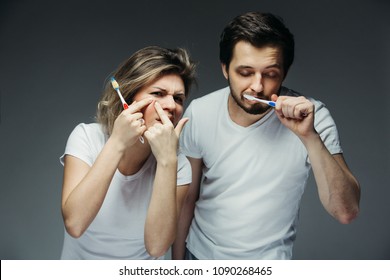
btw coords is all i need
(255, 109)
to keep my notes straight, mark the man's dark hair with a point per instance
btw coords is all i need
(260, 30)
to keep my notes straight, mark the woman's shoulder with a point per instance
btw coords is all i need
(92, 134)
(89, 129)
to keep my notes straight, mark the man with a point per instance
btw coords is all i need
(250, 162)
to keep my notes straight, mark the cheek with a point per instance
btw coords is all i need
(138, 97)
(179, 110)
(149, 114)
(239, 83)
(178, 113)
(271, 87)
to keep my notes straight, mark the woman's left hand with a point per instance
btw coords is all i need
(163, 137)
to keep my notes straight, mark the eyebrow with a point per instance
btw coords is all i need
(276, 65)
(164, 90)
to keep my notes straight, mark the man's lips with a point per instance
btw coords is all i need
(251, 101)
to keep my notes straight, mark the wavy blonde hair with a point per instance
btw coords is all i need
(143, 67)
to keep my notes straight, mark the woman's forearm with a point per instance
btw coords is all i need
(85, 188)
(161, 221)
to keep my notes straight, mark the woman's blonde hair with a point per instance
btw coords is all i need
(143, 67)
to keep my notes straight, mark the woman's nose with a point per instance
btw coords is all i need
(168, 102)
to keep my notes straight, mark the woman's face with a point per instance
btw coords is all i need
(167, 90)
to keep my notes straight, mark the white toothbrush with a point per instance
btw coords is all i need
(250, 97)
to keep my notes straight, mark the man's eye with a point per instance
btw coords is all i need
(271, 74)
(245, 73)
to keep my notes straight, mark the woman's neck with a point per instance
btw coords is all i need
(134, 158)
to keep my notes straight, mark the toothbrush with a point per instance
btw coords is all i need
(115, 85)
(250, 97)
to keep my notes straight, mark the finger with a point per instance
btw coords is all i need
(290, 110)
(180, 125)
(274, 97)
(285, 110)
(303, 110)
(286, 106)
(141, 132)
(163, 116)
(149, 134)
(295, 108)
(137, 106)
(133, 116)
(279, 100)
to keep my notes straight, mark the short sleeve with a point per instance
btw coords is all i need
(85, 143)
(326, 128)
(188, 137)
(184, 171)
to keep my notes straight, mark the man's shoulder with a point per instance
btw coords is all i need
(289, 92)
(209, 106)
(212, 97)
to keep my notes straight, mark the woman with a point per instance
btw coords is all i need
(121, 198)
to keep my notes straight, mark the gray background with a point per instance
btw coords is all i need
(56, 55)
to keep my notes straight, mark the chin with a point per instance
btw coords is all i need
(256, 110)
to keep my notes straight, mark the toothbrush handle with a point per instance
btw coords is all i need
(125, 106)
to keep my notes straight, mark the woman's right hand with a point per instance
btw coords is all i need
(85, 187)
(130, 125)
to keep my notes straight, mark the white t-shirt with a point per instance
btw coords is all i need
(117, 232)
(252, 181)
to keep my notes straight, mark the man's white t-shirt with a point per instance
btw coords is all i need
(252, 182)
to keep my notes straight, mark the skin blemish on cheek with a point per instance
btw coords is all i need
(148, 108)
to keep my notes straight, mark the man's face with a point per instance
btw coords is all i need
(254, 71)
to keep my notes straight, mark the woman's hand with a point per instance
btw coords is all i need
(130, 125)
(164, 137)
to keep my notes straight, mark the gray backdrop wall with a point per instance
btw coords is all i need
(56, 55)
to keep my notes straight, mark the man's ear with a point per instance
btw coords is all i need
(225, 71)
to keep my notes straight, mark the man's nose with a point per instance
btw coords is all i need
(257, 83)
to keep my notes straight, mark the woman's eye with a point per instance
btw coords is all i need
(179, 99)
(156, 93)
